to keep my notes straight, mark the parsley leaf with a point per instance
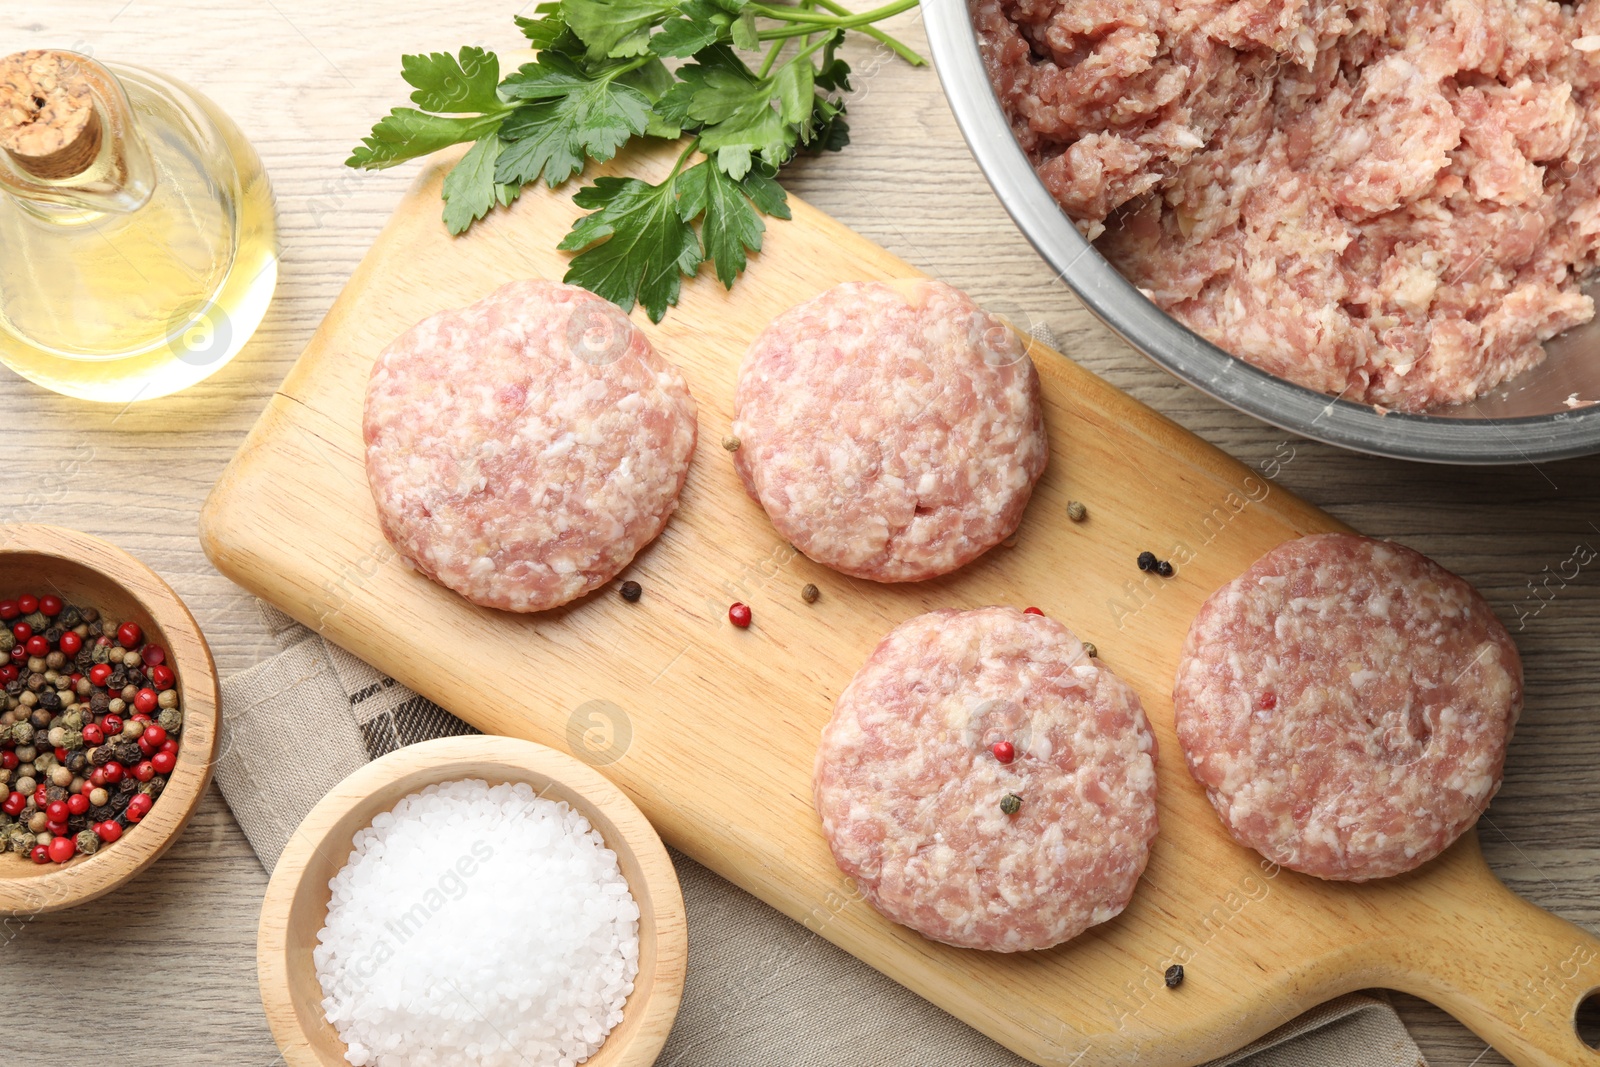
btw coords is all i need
(407, 133)
(730, 224)
(470, 189)
(454, 85)
(458, 86)
(634, 246)
(571, 116)
(615, 28)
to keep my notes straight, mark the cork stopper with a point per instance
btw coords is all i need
(49, 124)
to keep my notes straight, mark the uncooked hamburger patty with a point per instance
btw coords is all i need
(890, 433)
(522, 450)
(1347, 703)
(909, 789)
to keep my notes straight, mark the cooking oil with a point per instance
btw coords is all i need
(147, 266)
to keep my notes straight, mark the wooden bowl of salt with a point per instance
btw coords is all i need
(296, 906)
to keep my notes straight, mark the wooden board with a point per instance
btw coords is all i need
(712, 730)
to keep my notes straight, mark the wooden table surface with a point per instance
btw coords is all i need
(174, 980)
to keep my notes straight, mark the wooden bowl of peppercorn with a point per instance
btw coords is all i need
(99, 588)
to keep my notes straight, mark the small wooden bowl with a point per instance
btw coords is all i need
(89, 572)
(296, 905)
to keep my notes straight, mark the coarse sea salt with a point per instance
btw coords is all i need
(477, 925)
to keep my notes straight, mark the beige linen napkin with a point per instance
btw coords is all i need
(762, 989)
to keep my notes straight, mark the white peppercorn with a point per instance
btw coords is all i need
(59, 775)
(117, 706)
(131, 658)
(38, 821)
(167, 699)
(98, 797)
(27, 784)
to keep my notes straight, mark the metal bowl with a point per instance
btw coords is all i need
(1526, 420)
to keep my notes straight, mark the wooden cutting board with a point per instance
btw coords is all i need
(712, 730)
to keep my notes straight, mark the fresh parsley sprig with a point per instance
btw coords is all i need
(599, 80)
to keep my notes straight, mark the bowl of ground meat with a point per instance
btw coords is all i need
(1376, 225)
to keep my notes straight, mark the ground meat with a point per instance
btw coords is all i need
(522, 450)
(892, 433)
(909, 789)
(1346, 703)
(1390, 202)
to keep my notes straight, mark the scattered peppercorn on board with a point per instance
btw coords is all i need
(712, 728)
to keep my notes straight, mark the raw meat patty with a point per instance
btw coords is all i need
(1394, 202)
(522, 450)
(909, 790)
(1347, 703)
(892, 433)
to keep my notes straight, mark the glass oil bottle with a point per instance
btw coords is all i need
(138, 239)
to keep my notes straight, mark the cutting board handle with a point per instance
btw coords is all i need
(1513, 972)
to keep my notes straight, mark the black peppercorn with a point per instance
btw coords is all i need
(69, 618)
(119, 802)
(1165, 569)
(1147, 561)
(810, 593)
(127, 787)
(1174, 976)
(40, 719)
(50, 701)
(631, 592)
(102, 813)
(54, 792)
(100, 755)
(99, 700)
(89, 615)
(1011, 803)
(77, 760)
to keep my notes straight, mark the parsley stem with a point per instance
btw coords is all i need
(899, 48)
(688, 150)
(772, 57)
(840, 20)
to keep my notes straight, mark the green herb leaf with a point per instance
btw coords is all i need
(730, 224)
(744, 32)
(767, 195)
(793, 88)
(470, 189)
(615, 28)
(571, 116)
(407, 133)
(454, 85)
(546, 31)
(635, 245)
